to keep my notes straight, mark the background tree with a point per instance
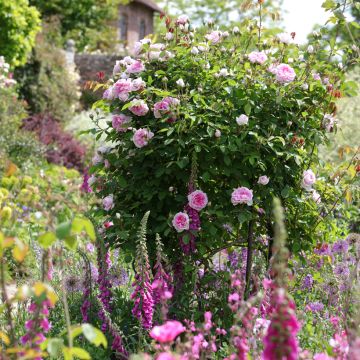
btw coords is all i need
(19, 25)
(82, 20)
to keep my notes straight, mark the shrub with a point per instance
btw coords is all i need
(47, 83)
(62, 148)
(19, 25)
(15, 144)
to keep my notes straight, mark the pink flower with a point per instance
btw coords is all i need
(167, 332)
(316, 196)
(165, 356)
(197, 200)
(119, 122)
(322, 356)
(136, 67)
(90, 247)
(284, 73)
(139, 107)
(182, 20)
(242, 120)
(214, 37)
(165, 107)
(263, 180)
(45, 325)
(308, 180)
(242, 195)
(181, 221)
(122, 88)
(141, 137)
(138, 84)
(108, 202)
(257, 57)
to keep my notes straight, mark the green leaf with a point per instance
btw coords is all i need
(245, 216)
(94, 335)
(47, 239)
(54, 347)
(80, 353)
(80, 224)
(247, 109)
(63, 230)
(71, 242)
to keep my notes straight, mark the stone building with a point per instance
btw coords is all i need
(136, 20)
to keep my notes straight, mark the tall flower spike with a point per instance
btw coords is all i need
(143, 294)
(280, 341)
(162, 289)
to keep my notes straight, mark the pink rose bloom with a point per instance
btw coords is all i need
(136, 67)
(214, 37)
(257, 57)
(167, 332)
(242, 195)
(138, 84)
(182, 20)
(165, 106)
(272, 68)
(119, 122)
(308, 180)
(322, 356)
(181, 221)
(109, 93)
(139, 107)
(284, 73)
(242, 120)
(141, 137)
(197, 200)
(108, 202)
(122, 88)
(316, 196)
(165, 356)
(263, 180)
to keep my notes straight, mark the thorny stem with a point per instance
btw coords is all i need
(5, 300)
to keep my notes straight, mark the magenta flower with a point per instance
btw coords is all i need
(280, 341)
(284, 73)
(181, 221)
(242, 195)
(119, 122)
(141, 137)
(139, 107)
(258, 57)
(165, 356)
(197, 200)
(167, 332)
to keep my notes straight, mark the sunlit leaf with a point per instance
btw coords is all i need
(47, 239)
(94, 335)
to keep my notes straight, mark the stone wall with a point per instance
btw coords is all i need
(88, 65)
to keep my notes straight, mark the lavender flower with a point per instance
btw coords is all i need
(342, 270)
(341, 246)
(316, 306)
(307, 282)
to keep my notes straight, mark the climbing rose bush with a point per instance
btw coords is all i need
(207, 127)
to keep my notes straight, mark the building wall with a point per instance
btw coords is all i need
(135, 13)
